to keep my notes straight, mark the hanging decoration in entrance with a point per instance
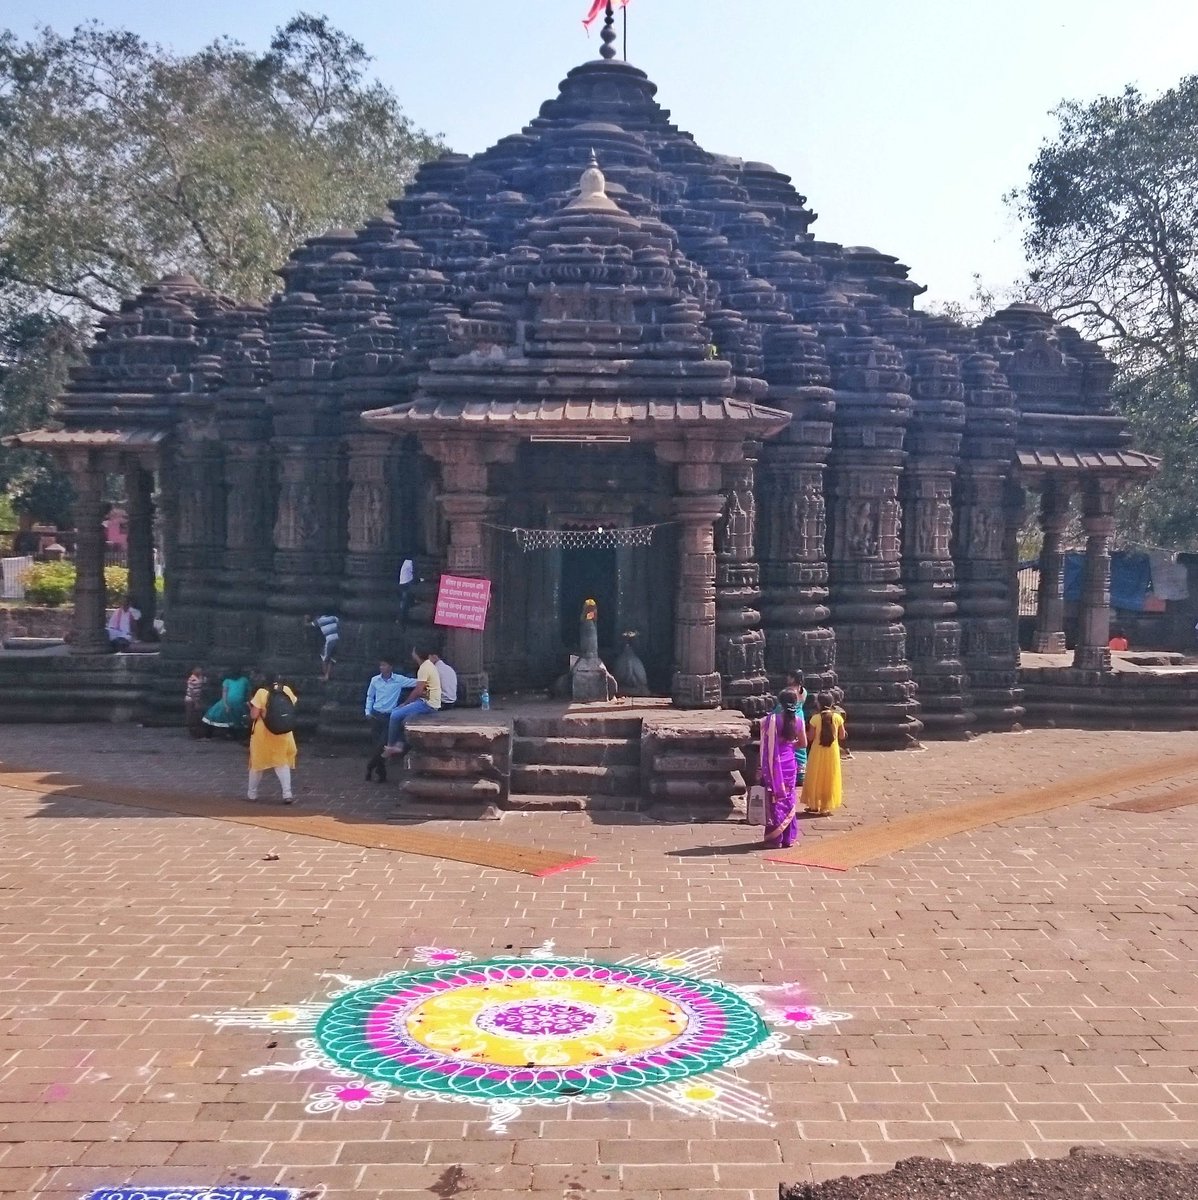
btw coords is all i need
(583, 539)
(511, 1032)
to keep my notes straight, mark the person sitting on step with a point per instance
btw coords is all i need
(425, 697)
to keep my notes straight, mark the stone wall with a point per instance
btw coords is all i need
(53, 688)
(35, 622)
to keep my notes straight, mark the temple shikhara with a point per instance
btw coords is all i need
(597, 361)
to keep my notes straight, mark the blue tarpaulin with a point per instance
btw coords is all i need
(1131, 578)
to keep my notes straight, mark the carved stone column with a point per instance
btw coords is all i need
(873, 407)
(933, 446)
(465, 505)
(792, 518)
(139, 488)
(375, 510)
(740, 642)
(247, 549)
(309, 542)
(697, 507)
(1094, 624)
(1049, 637)
(87, 625)
(985, 566)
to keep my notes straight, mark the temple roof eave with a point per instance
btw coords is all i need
(1130, 465)
(640, 420)
(133, 440)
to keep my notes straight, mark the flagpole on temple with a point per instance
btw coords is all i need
(625, 32)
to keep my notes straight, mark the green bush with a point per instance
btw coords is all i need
(50, 583)
(53, 583)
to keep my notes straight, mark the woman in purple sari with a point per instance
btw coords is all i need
(782, 733)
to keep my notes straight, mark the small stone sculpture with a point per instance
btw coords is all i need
(628, 669)
(590, 680)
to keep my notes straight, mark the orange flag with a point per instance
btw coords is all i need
(597, 7)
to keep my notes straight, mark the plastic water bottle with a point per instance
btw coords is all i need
(485, 700)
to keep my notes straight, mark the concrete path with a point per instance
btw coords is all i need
(1016, 990)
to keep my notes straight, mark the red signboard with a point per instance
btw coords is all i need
(462, 603)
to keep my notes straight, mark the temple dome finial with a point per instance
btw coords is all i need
(592, 191)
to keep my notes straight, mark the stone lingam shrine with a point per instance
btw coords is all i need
(597, 361)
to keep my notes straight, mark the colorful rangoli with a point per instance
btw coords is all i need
(510, 1032)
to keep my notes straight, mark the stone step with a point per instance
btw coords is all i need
(572, 781)
(531, 802)
(579, 725)
(577, 752)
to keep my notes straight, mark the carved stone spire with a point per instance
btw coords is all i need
(592, 191)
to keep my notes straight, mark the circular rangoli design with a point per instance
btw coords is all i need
(525, 1029)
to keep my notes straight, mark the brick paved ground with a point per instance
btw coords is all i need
(1019, 990)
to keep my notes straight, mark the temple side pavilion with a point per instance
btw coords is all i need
(596, 324)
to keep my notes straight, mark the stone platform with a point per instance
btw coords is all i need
(51, 686)
(1141, 691)
(617, 755)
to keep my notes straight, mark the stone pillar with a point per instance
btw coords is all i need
(1094, 624)
(933, 445)
(697, 507)
(87, 624)
(1049, 637)
(139, 488)
(740, 642)
(246, 549)
(986, 566)
(465, 504)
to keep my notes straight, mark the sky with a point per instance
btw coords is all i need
(904, 122)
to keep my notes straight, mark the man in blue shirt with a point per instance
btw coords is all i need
(382, 698)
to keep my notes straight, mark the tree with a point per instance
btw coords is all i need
(121, 161)
(1110, 214)
(1111, 217)
(36, 351)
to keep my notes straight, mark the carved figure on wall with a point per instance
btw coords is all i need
(981, 526)
(863, 529)
(925, 530)
(735, 529)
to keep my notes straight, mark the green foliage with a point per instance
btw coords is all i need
(50, 583)
(121, 161)
(1111, 228)
(1162, 412)
(53, 583)
(37, 349)
(1111, 232)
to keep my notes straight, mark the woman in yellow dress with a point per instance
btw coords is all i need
(821, 786)
(272, 751)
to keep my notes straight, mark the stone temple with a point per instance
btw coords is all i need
(598, 324)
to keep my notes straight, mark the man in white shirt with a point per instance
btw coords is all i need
(122, 632)
(449, 681)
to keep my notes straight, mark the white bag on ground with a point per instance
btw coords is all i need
(755, 805)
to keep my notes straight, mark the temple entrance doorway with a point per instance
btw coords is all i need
(589, 575)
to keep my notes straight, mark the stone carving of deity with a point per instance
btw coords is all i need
(863, 529)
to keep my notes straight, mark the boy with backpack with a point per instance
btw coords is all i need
(272, 742)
